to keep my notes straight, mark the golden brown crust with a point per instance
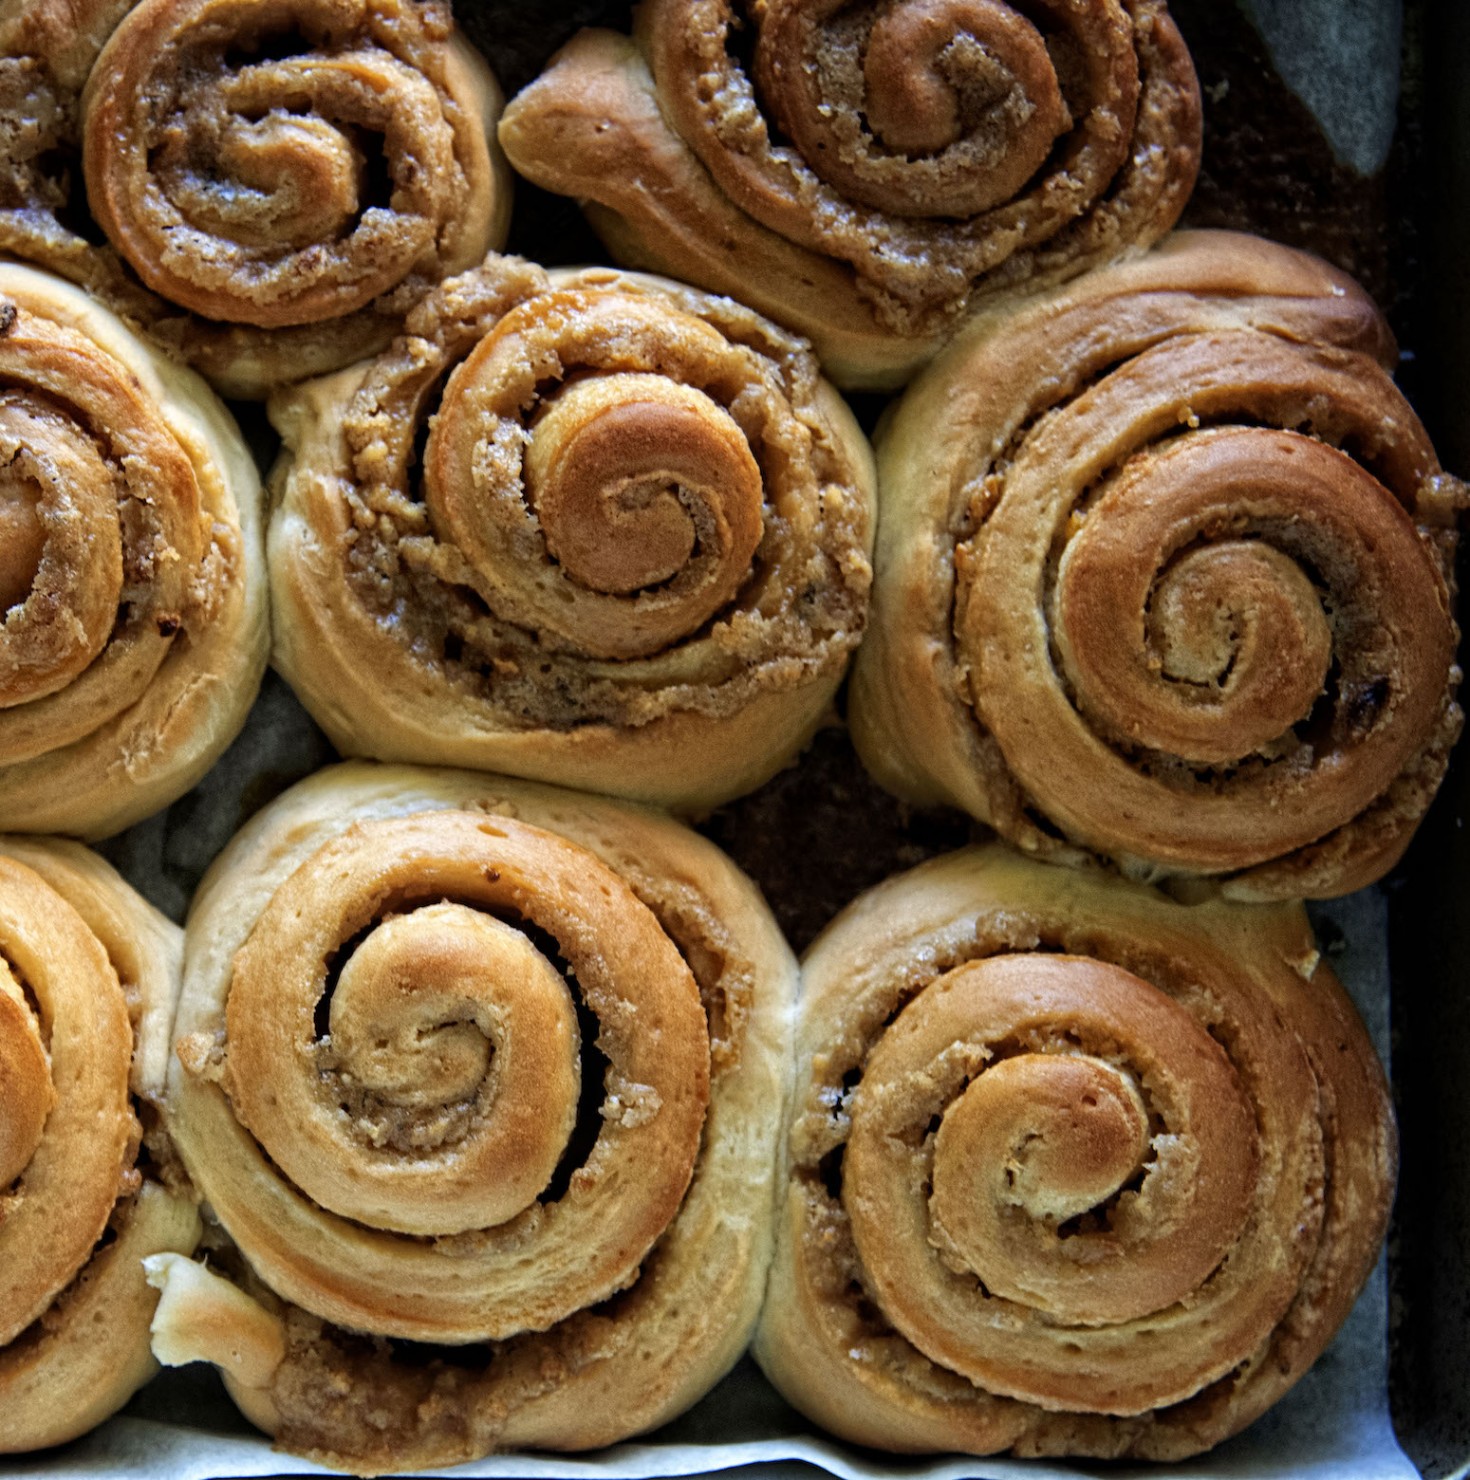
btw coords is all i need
(133, 569)
(1073, 1169)
(638, 560)
(867, 181)
(616, 1290)
(89, 975)
(280, 259)
(1166, 574)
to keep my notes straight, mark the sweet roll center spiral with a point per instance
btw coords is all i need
(1219, 611)
(918, 108)
(346, 974)
(25, 1075)
(1193, 624)
(457, 1036)
(237, 155)
(1048, 1130)
(599, 470)
(937, 70)
(402, 1017)
(629, 473)
(295, 181)
(1054, 1135)
(1228, 642)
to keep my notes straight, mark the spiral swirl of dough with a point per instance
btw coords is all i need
(1200, 609)
(88, 975)
(130, 577)
(644, 489)
(1074, 1170)
(275, 181)
(635, 560)
(452, 1045)
(462, 1061)
(895, 161)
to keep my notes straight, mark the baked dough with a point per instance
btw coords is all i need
(466, 1060)
(867, 174)
(89, 974)
(132, 574)
(1073, 1169)
(274, 185)
(1165, 574)
(586, 527)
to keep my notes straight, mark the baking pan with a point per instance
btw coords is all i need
(1429, 897)
(1314, 160)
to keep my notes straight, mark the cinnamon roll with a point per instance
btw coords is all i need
(132, 579)
(1073, 1169)
(89, 974)
(1166, 575)
(275, 181)
(586, 527)
(483, 1081)
(866, 173)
